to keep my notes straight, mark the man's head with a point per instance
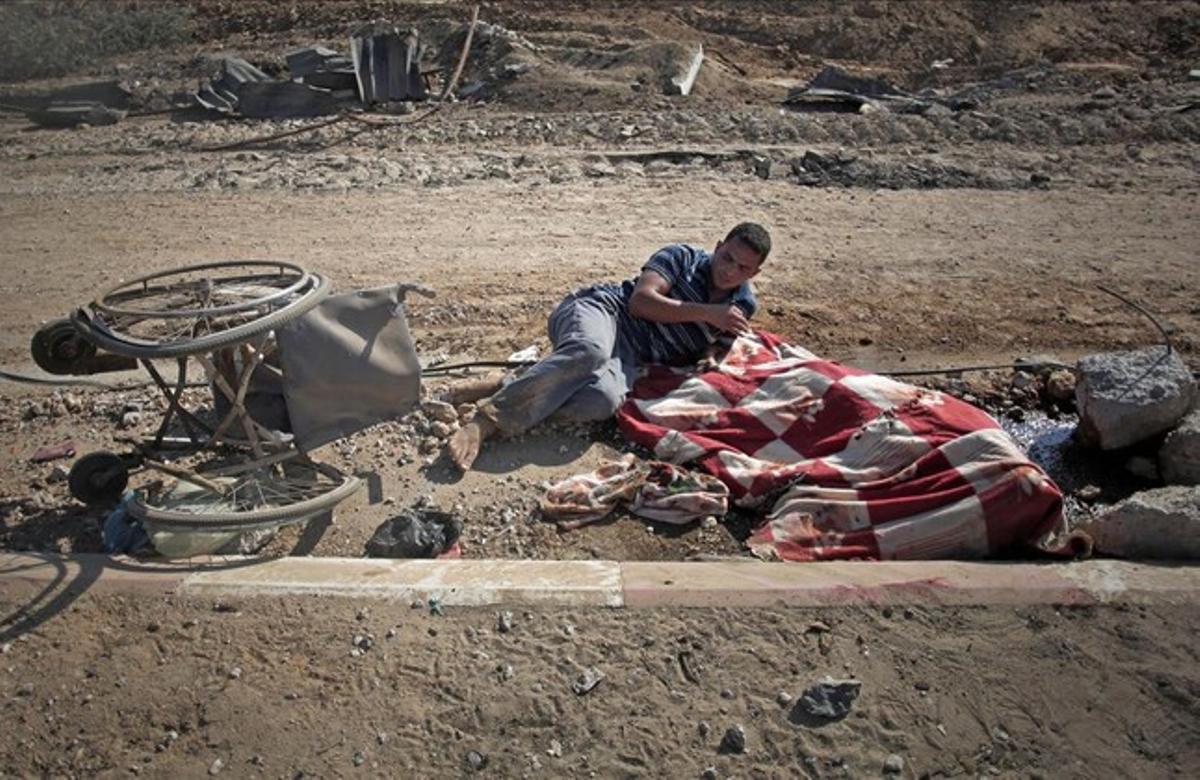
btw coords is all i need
(740, 256)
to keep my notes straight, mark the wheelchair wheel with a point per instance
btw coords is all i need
(254, 497)
(199, 308)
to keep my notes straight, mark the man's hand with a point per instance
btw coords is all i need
(729, 319)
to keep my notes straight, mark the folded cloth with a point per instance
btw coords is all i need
(651, 489)
(847, 464)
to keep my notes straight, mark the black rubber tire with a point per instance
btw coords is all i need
(209, 343)
(58, 348)
(212, 521)
(98, 478)
(128, 289)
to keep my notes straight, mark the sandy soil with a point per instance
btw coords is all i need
(914, 241)
(106, 686)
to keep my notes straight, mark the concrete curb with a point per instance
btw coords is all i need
(631, 584)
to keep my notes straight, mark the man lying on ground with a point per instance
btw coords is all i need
(685, 302)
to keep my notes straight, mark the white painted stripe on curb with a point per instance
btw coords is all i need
(1110, 580)
(468, 583)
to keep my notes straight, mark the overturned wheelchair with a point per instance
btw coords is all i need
(290, 366)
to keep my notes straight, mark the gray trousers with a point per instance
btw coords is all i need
(585, 377)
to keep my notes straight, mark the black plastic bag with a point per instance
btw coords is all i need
(415, 533)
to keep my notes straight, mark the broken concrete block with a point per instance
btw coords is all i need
(1179, 458)
(1159, 523)
(1126, 397)
(681, 83)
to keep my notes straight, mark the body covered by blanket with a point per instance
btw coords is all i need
(847, 464)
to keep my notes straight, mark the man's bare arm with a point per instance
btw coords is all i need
(650, 301)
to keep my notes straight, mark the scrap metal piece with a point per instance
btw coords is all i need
(682, 82)
(245, 90)
(387, 66)
(74, 114)
(323, 68)
(835, 90)
(221, 94)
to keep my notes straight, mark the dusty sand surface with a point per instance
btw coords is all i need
(105, 685)
(902, 240)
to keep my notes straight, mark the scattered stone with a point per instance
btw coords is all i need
(1089, 494)
(504, 621)
(709, 773)
(57, 474)
(1126, 397)
(555, 750)
(829, 699)
(894, 765)
(1060, 385)
(783, 698)
(235, 673)
(704, 729)
(588, 680)
(1159, 523)
(726, 693)
(734, 740)
(359, 758)
(216, 766)
(1179, 457)
(475, 760)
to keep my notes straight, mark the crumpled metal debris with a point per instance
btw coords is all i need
(242, 89)
(324, 68)
(835, 90)
(388, 65)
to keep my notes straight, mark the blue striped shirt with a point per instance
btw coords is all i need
(688, 269)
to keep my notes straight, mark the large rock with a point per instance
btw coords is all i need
(1179, 458)
(1159, 523)
(1126, 397)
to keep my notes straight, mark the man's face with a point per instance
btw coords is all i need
(733, 263)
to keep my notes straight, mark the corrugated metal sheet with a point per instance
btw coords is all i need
(387, 64)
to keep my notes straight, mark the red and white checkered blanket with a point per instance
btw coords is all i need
(846, 464)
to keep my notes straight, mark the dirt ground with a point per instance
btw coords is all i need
(104, 685)
(907, 241)
(955, 237)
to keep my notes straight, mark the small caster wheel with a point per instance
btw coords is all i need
(58, 348)
(98, 478)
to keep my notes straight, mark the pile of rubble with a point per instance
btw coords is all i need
(1145, 398)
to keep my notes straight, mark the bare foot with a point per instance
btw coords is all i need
(463, 447)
